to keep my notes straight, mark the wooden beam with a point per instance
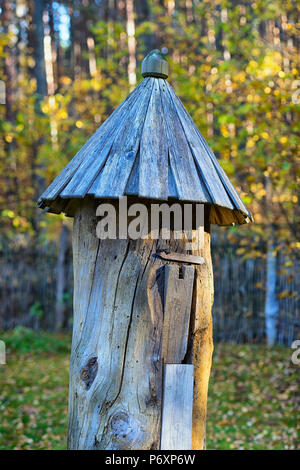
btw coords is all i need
(177, 411)
(181, 258)
(177, 308)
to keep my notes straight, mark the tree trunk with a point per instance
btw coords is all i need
(9, 62)
(36, 42)
(37, 10)
(8, 92)
(271, 306)
(144, 14)
(130, 27)
(116, 366)
(61, 278)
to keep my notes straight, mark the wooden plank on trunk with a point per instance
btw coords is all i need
(178, 301)
(177, 411)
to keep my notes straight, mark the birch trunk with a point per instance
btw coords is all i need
(130, 27)
(271, 306)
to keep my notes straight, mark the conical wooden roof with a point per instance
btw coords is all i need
(150, 148)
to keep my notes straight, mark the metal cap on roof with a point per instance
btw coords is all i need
(155, 65)
(149, 148)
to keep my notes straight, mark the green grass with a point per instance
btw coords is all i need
(34, 391)
(253, 396)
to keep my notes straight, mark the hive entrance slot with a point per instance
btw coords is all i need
(180, 273)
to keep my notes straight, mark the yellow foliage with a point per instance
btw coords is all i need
(250, 143)
(65, 80)
(62, 114)
(265, 135)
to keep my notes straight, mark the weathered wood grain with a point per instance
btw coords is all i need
(188, 184)
(94, 162)
(132, 186)
(114, 177)
(64, 177)
(177, 411)
(118, 314)
(116, 360)
(171, 183)
(177, 309)
(200, 346)
(153, 161)
(149, 147)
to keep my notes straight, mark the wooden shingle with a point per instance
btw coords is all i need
(149, 148)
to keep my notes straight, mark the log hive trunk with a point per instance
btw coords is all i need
(116, 369)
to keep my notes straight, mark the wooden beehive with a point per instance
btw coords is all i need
(141, 305)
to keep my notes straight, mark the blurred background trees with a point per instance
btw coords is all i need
(67, 64)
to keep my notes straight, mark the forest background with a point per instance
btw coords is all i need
(65, 65)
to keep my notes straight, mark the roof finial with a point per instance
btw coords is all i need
(155, 65)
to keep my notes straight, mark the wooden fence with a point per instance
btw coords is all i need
(28, 293)
(240, 287)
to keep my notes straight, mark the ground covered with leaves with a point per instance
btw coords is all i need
(253, 397)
